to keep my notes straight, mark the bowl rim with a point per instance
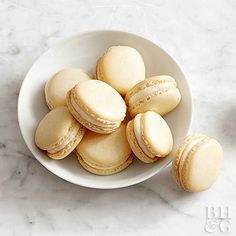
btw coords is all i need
(96, 185)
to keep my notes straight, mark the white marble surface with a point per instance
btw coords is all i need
(200, 35)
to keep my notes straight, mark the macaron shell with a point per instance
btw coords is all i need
(176, 160)
(202, 167)
(100, 100)
(121, 67)
(159, 102)
(181, 149)
(105, 171)
(135, 146)
(105, 151)
(149, 82)
(102, 130)
(54, 128)
(57, 87)
(156, 134)
(70, 146)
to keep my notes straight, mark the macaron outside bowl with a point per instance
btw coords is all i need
(89, 47)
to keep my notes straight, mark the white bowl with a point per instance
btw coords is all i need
(82, 51)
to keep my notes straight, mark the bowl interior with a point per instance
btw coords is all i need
(82, 51)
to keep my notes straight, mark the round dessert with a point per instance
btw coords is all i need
(149, 136)
(157, 93)
(105, 154)
(121, 67)
(58, 133)
(57, 87)
(197, 163)
(97, 106)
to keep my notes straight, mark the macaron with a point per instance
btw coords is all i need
(197, 163)
(105, 154)
(157, 93)
(58, 133)
(121, 67)
(97, 106)
(57, 87)
(149, 136)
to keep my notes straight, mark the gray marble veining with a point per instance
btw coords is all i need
(200, 35)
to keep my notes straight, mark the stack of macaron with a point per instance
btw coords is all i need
(117, 116)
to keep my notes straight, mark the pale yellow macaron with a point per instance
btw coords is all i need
(58, 133)
(197, 163)
(149, 136)
(157, 93)
(97, 106)
(121, 67)
(64, 80)
(105, 154)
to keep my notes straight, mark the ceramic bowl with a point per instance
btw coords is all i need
(82, 51)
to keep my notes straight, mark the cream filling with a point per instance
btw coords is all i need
(149, 90)
(70, 138)
(85, 116)
(138, 135)
(186, 152)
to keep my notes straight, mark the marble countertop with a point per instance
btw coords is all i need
(200, 35)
